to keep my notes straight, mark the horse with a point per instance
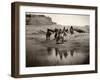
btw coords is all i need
(59, 37)
(48, 34)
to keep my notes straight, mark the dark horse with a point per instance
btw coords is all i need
(48, 34)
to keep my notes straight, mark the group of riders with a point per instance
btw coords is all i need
(59, 34)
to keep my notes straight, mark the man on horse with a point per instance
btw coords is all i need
(71, 30)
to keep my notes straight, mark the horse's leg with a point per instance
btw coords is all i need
(57, 38)
(62, 39)
(46, 36)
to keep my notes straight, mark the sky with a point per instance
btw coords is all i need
(68, 19)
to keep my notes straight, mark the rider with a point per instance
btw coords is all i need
(60, 36)
(71, 30)
(48, 34)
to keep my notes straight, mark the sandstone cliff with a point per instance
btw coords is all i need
(38, 20)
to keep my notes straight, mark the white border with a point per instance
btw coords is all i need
(52, 69)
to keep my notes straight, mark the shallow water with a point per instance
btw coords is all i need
(48, 56)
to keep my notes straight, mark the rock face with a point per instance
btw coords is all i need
(38, 20)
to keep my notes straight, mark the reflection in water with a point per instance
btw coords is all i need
(63, 53)
(49, 50)
(56, 56)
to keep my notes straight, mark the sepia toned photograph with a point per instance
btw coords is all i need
(53, 39)
(57, 39)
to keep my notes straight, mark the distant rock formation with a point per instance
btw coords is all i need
(38, 20)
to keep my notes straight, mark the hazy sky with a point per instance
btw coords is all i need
(68, 19)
